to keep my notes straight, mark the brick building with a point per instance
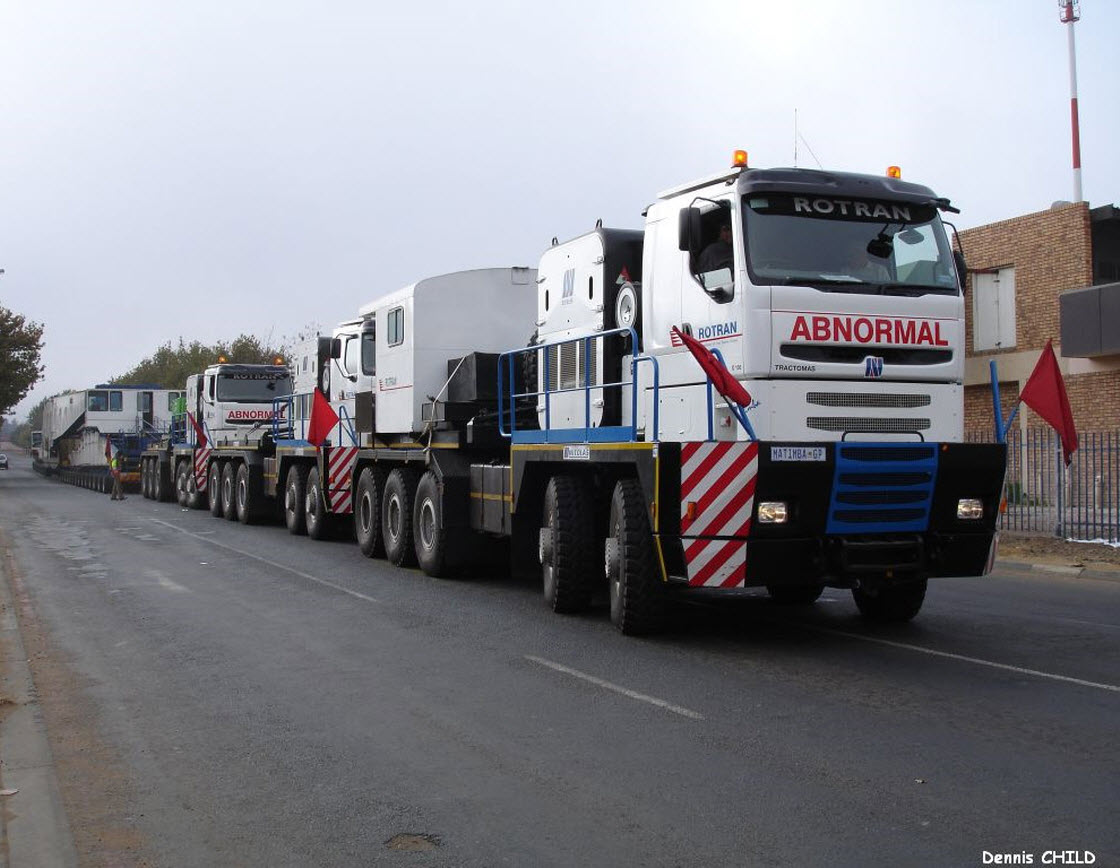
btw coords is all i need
(1039, 276)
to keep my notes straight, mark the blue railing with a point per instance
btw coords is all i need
(740, 413)
(286, 425)
(509, 395)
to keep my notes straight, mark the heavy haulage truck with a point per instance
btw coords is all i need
(82, 429)
(602, 450)
(214, 453)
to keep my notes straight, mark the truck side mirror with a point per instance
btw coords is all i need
(962, 269)
(336, 348)
(689, 231)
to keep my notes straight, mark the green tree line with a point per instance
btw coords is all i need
(169, 366)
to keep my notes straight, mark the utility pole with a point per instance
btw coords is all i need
(1071, 12)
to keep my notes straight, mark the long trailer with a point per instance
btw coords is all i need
(83, 429)
(761, 389)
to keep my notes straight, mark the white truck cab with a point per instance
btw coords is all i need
(234, 401)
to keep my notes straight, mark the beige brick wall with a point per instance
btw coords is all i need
(1051, 251)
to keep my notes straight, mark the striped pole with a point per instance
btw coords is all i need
(1071, 13)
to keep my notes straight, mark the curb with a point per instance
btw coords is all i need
(1060, 570)
(33, 822)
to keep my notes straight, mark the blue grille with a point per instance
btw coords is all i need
(882, 488)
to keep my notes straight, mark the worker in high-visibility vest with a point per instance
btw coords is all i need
(116, 466)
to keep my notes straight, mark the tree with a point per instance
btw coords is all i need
(21, 342)
(169, 366)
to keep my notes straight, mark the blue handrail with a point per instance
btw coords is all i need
(508, 393)
(345, 426)
(740, 413)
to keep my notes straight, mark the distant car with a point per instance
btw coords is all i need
(3, 461)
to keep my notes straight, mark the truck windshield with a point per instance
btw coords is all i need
(253, 388)
(847, 245)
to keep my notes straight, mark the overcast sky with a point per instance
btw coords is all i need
(206, 169)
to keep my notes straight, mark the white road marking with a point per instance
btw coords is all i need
(625, 691)
(167, 584)
(965, 659)
(254, 557)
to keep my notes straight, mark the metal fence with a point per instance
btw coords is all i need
(1042, 495)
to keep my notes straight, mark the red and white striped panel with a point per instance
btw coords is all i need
(717, 499)
(340, 472)
(201, 459)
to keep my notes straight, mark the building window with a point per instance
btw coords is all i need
(993, 309)
(395, 330)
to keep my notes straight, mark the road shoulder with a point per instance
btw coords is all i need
(34, 824)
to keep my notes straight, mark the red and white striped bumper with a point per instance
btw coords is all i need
(717, 500)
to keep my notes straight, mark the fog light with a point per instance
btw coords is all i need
(970, 509)
(773, 512)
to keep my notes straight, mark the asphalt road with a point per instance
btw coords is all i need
(228, 695)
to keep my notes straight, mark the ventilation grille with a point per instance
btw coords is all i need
(856, 399)
(865, 425)
(877, 453)
(565, 363)
(883, 488)
(856, 355)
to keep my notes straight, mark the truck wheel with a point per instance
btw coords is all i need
(627, 308)
(214, 488)
(637, 599)
(367, 512)
(147, 480)
(181, 483)
(891, 604)
(795, 595)
(159, 483)
(315, 514)
(144, 479)
(294, 487)
(396, 516)
(195, 499)
(248, 505)
(431, 537)
(567, 543)
(229, 497)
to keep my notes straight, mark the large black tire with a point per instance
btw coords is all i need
(396, 516)
(144, 480)
(161, 485)
(229, 491)
(434, 551)
(294, 487)
(367, 511)
(567, 545)
(315, 515)
(891, 604)
(795, 595)
(636, 592)
(214, 488)
(195, 499)
(248, 500)
(181, 474)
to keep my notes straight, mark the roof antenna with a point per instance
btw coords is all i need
(809, 149)
(795, 138)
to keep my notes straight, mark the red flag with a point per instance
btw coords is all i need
(721, 378)
(199, 434)
(323, 419)
(1045, 393)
